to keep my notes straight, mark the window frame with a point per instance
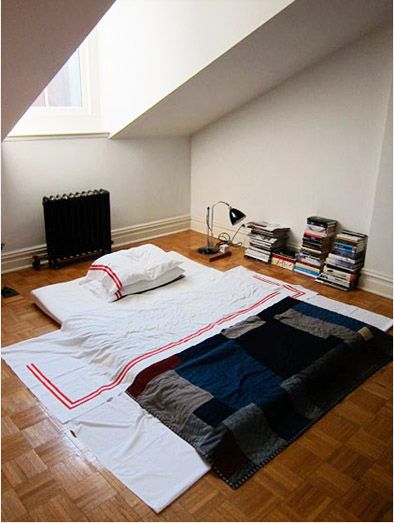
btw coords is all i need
(39, 121)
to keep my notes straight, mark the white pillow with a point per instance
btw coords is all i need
(114, 275)
(144, 285)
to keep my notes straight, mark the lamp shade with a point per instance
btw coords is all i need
(236, 216)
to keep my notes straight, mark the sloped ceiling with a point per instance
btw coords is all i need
(299, 36)
(37, 38)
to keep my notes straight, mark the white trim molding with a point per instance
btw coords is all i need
(54, 136)
(376, 282)
(371, 281)
(147, 231)
(22, 258)
(198, 225)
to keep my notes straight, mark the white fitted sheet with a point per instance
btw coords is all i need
(61, 300)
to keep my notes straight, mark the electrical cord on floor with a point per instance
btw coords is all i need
(225, 238)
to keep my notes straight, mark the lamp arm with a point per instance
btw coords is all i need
(235, 234)
(207, 217)
(212, 213)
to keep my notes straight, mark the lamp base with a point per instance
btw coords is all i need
(208, 250)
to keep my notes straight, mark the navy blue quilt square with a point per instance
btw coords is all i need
(282, 416)
(202, 348)
(231, 375)
(283, 349)
(213, 412)
(329, 316)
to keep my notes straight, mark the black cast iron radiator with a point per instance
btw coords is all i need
(76, 225)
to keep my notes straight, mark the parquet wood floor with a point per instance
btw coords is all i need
(339, 470)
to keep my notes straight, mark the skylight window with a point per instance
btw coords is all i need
(70, 103)
(65, 90)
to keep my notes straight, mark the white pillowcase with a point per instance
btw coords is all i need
(144, 285)
(129, 271)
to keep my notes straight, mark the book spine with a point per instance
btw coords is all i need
(339, 274)
(347, 247)
(330, 284)
(308, 267)
(283, 257)
(284, 264)
(349, 270)
(335, 279)
(343, 259)
(305, 272)
(313, 234)
(258, 256)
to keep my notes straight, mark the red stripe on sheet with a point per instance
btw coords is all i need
(114, 277)
(72, 404)
(300, 293)
(42, 381)
(287, 286)
(48, 383)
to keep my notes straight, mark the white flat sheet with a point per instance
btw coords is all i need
(96, 353)
(151, 460)
(80, 372)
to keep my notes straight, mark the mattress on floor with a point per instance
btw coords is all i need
(61, 300)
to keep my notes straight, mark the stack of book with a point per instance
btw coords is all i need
(285, 259)
(316, 244)
(343, 264)
(264, 239)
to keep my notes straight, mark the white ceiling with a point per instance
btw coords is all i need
(37, 38)
(299, 36)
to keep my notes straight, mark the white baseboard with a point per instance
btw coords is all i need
(22, 258)
(198, 225)
(376, 282)
(147, 231)
(371, 281)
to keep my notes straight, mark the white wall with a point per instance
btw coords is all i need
(380, 248)
(148, 48)
(311, 146)
(148, 180)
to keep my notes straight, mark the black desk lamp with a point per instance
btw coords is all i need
(235, 215)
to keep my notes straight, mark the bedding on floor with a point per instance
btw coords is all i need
(80, 372)
(61, 300)
(98, 351)
(130, 271)
(243, 395)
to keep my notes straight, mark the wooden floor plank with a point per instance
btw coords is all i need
(339, 470)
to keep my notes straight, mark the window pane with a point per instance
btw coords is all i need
(65, 89)
(40, 101)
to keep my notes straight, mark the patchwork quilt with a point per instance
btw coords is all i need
(243, 395)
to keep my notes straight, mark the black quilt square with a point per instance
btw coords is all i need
(213, 412)
(284, 349)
